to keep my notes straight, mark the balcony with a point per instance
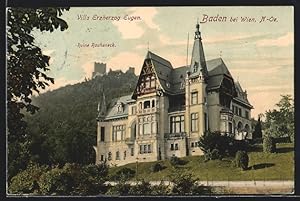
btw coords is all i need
(148, 110)
(177, 109)
(129, 141)
(180, 135)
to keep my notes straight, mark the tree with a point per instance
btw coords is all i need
(26, 67)
(257, 133)
(26, 182)
(242, 160)
(280, 122)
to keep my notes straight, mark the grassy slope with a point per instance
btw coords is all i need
(276, 166)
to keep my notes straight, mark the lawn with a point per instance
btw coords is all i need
(263, 166)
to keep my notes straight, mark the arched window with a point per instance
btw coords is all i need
(240, 126)
(117, 155)
(109, 156)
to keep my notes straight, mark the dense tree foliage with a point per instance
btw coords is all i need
(64, 129)
(217, 146)
(269, 144)
(280, 122)
(257, 133)
(26, 67)
(70, 179)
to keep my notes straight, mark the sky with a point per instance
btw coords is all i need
(258, 53)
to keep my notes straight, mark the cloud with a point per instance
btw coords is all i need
(282, 87)
(129, 30)
(133, 29)
(282, 41)
(147, 14)
(124, 60)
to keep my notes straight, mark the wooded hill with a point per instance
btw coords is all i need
(64, 128)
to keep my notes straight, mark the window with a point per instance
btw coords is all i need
(132, 151)
(240, 112)
(102, 158)
(153, 103)
(177, 124)
(118, 133)
(230, 127)
(109, 156)
(146, 104)
(102, 134)
(194, 99)
(125, 155)
(196, 67)
(194, 122)
(120, 107)
(192, 144)
(174, 147)
(246, 114)
(145, 148)
(117, 155)
(133, 110)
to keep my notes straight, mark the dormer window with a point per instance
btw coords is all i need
(196, 67)
(119, 107)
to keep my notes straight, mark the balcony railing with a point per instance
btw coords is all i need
(175, 135)
(177, 108)
(148, 110)
(129, 141)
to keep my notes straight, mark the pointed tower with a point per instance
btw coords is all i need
(196, 114)
(101, 108)
(198, 63)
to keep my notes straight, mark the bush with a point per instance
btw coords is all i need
(160, 189)
(216, 146)
(215, 154)
(60, 181)
(174, 160)
(121, 188)
(141, 188)
(91, 180)
(185, 184)
(269, 144)
(156, 167)
(242, 160)
(26, 182)
(124, 173)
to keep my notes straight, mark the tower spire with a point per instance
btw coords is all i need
(101, 108)
(197, 32)
(198, 63)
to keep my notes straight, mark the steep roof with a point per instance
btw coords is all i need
(171, 79)
(163, 69)
(241, 95)
(216, 71)
(113, 112)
